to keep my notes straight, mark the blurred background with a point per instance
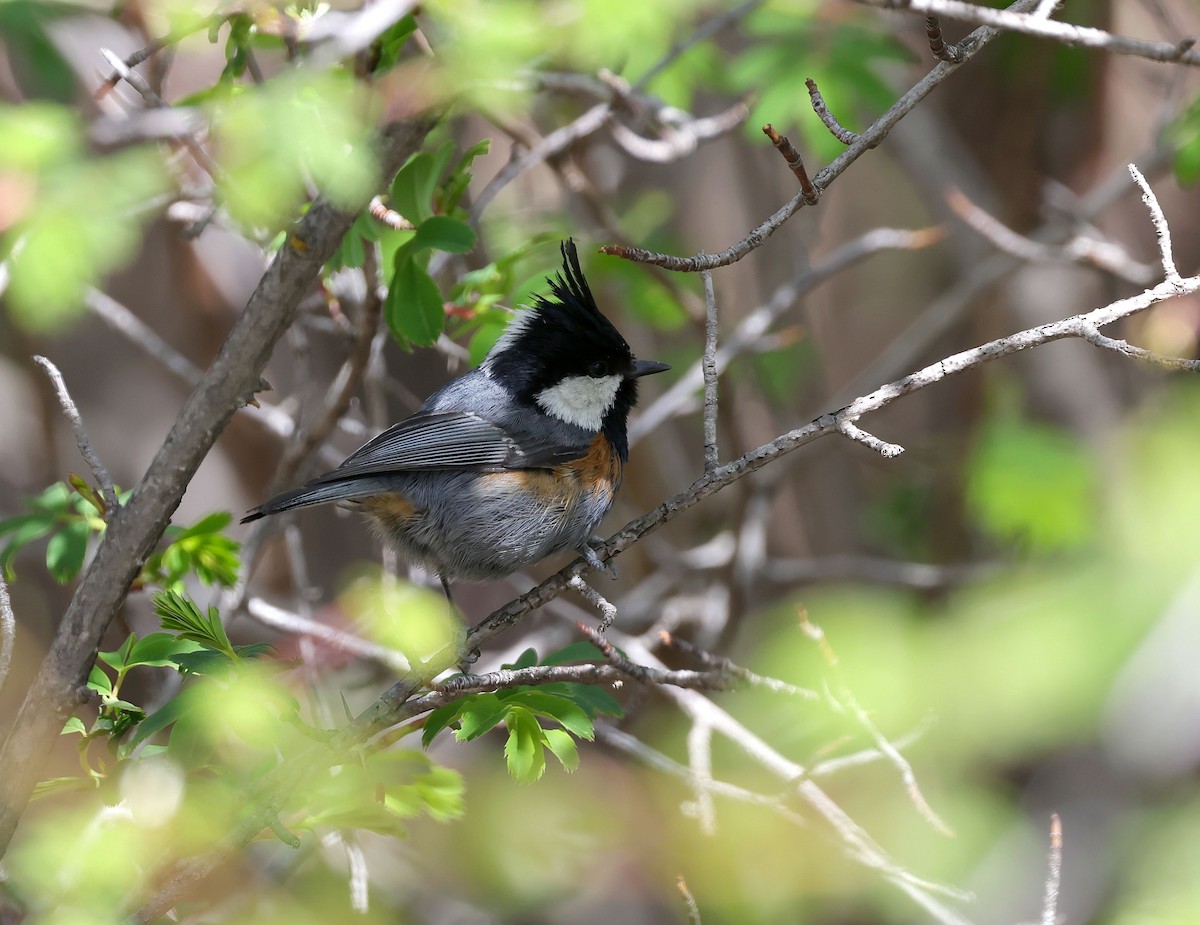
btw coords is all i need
(1015, 600)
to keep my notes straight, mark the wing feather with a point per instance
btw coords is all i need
(450, 440)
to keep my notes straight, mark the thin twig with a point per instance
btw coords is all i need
(847, 700)
(1161, 229)
(874, 134)
(795, 163)
(941, 50)
(1093, 336)
(828, 119)
(8, 630)
(389, 217)
(689, 901)
(886, 450)
(711, 455)
(1053, 873)
(1015, 20)
(103, 479)
(720, 663)
(608, 611)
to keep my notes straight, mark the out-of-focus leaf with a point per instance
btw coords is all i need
(66, 550)
(445, 234)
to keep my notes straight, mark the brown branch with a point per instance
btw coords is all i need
(135, 530)
(941, 51)
(828, 119)
(795, 163)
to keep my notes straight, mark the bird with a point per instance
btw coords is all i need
(515, 460)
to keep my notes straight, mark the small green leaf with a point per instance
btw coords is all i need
(412, 188)
(581, 651)
(184, 702)
(480, 714)
(179, 613)
(445, 234)
(414, 311)
(524, 751)
(120, 658)
(560, 742)
(99, 681)
(157, 650)
(73, 725)
(66, 550)
(566, 712)
(526, 659)
(438, 720)
(53, 785)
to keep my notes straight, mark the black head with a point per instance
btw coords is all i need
(565, 358)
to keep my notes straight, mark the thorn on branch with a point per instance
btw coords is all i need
(795, 163)
(952, 54)
(836, 129)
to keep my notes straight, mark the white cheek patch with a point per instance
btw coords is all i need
(580, 400)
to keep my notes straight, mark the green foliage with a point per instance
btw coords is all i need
(201, 550)
(574, 707)
(274, 139)
(846, 58)
(73, 218)
(71, 512)
(1031, 483)
(1184, 133)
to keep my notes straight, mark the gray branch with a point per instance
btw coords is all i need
(134, 531)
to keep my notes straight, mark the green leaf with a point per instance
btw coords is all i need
(480, 714)
(73, 725)
(120, 658)
(158, 649)
(412, 189)
(1032, 483)
(594, 699)
(184, 702)
(99, 681)
(53, 785)
(414, 311)
(438, 720)
(581, 651)
(24, 530)
(445, 234)
(572, 716)
(524, 751)
(179, 613)
(66, 550)
(560, 742)
(203, 662)
(526, 659)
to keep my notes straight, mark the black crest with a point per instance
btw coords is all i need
(564, 334)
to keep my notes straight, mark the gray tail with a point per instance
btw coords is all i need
(315, 494)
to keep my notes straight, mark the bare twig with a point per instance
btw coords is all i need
(8, 630)
(1093, 336)
(131, 535)
(711, 455)
(847, 700)
(103, 479)
(699, 747)
(289, 622)
(874, 134)
(828, 119)
(714, 680)
(1013, 20)
(751, 330)
(1161, 229)
(795, 163)
(887, 450)
(144, 54)
(608, 611)
(1079, 249)
(1053, 873)
(941, 50)
(719, 663)
(689, 901)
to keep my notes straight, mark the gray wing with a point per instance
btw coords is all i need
(451, 440)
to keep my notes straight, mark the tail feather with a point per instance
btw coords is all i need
(315, 494)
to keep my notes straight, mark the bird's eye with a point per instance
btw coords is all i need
(597, 369)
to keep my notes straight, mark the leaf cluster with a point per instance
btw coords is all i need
(523, 710)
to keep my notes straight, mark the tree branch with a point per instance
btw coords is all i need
(139, 524)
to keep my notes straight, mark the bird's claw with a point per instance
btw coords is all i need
(593, 559)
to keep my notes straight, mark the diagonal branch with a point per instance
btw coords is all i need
(139, 524)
